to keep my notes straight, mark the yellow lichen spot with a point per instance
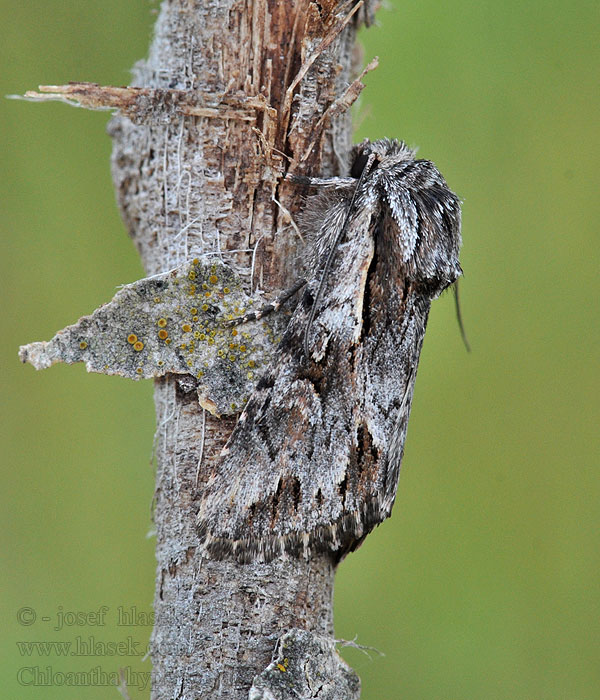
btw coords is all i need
(82, 345)
(231, 358)
(192, 289)
(139, 370)
(200, 374)
(192, 275)
(225, 290)
(242, 348)
(160, 363)
(197, 335)
(157, 300)
(162, 334)
(213, 332)
(234, 332)
(204, 307)
(183, 346)
(138, 346)
(193, 310)
(211, 341)
(221, 353)
(233, 346)
(251, 363)
(186, 328)
(207, 294)
(168, 341)
(195, 319)
(195, 261)
(162, 322)
(132, 338)
(204, 285)
(213, 279)
(282, 668)
(250, 375)
(189, 363)
(234, 406)
(201, 336)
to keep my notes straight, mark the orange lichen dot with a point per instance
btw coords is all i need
(186, 328)
(162, 322)
(138, 346)
(82, 345)
(132, 338)
(213, 279)
(162, 334)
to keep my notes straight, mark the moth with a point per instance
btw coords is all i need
(313, 462)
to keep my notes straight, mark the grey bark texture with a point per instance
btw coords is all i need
(228, 87)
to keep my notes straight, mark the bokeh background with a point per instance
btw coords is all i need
(485, 583)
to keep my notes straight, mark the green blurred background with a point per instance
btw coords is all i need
(485, 583)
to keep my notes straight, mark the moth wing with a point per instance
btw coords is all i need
(282, 482)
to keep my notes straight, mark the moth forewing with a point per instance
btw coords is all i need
(339, 311)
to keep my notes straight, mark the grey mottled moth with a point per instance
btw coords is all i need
(313, 461)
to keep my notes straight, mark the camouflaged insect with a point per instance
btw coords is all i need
(314, 459)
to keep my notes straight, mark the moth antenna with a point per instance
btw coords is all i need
(459, 318)
(331, 253)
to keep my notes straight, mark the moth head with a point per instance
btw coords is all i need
(383, 149)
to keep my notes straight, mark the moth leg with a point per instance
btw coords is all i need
(321, 181)
(269, 308)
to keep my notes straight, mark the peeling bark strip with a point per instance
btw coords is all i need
(234, 93)
(174, 323)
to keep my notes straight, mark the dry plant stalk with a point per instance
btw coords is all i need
(233, 94)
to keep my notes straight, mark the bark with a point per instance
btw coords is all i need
(236, 92)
